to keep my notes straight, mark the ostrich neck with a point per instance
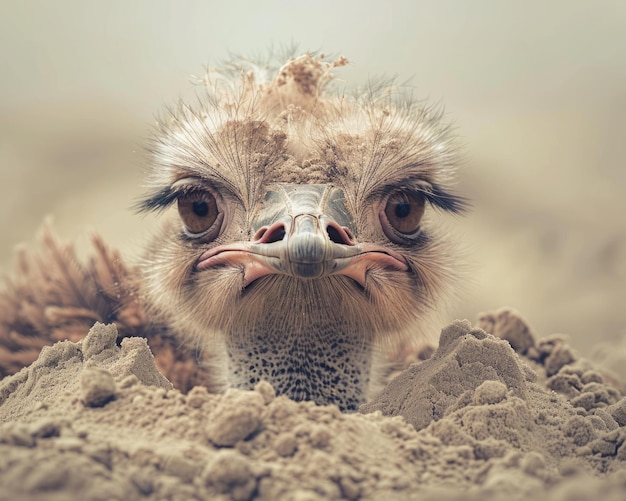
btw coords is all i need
(320, 363)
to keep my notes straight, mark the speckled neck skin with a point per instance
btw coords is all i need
(318, 364)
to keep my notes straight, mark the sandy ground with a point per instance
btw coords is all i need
(478, 420)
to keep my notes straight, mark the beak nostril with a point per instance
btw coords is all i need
(274, 233)
(259, 234)
(348, 233)
(339, 235)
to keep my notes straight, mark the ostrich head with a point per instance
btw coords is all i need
(304, 241)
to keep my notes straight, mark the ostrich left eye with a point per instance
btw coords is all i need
(403, 212)
(198, 210)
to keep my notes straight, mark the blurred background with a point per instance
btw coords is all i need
(537, 91)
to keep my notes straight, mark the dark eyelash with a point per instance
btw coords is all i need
(445, 201)
(158, 201)
(162, 199)
(435, 195)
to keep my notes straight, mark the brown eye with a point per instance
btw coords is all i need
(198, 210)
(404, 211)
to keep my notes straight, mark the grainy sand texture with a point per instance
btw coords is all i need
(478, 420)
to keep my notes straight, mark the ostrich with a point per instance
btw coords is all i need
(298, 243)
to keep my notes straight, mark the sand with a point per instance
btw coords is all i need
(478, 420)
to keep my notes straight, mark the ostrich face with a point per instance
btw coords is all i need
(222, 268)
(299, 213)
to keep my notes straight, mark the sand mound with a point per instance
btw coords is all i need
(91, 420)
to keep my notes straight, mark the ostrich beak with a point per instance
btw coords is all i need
(303, 231)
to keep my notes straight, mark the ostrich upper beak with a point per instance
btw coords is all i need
(302, 231)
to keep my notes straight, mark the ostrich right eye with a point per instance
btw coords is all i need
(198, 210)
(403, 212)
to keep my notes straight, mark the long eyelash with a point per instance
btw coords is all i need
(445, 201)
(435, 195)
(158, 201)
(162, 199)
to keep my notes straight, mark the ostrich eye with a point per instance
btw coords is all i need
(198, 210)
(404, 211)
